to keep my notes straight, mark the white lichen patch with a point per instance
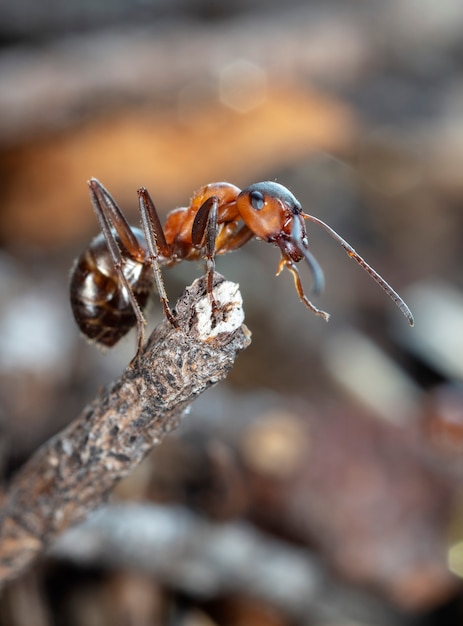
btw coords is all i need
(229, 317)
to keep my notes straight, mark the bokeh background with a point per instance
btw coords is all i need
(321, 483)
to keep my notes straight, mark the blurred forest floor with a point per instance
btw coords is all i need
(321, 484)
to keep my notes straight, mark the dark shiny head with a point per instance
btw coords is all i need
(270, 190)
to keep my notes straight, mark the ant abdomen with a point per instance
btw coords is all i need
(100, 304)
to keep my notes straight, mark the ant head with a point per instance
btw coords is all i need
(267, 209)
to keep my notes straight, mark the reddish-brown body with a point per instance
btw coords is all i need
(178, 228)
(111, 280)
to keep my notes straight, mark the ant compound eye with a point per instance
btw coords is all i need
(257, 200)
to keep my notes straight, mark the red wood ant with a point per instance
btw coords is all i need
(111, 281)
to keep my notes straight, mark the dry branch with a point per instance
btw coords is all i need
(73, 473)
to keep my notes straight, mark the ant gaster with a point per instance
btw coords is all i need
(111, 281)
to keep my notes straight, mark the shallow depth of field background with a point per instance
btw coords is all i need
(335, 446)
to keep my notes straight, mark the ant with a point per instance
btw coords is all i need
(111, 281)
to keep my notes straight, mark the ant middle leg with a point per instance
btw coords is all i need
(205, 225)
(155, 240)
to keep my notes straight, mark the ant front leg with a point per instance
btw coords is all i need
(205, 223)
(299, 288)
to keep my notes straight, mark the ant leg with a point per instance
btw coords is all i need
(105, 209)
(155, 240)
(205, 222)
(110, 211)
(300, 290)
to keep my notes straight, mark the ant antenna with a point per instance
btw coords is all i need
(376, 277)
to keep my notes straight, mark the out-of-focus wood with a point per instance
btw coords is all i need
(44, 197)
(357, 488)
(51, 86)
(230, 560)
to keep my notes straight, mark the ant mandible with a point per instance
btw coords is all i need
(111, 281)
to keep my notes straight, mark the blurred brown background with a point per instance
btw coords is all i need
(337, 446)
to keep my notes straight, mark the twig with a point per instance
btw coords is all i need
(73, 473)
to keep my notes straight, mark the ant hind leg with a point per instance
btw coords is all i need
(109, 215)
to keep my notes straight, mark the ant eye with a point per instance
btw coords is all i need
(257, 200)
